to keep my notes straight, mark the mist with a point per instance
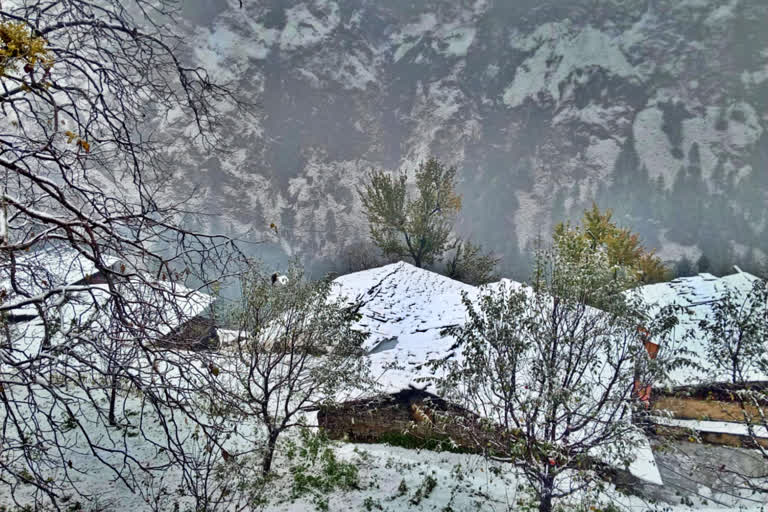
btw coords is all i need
(654, 109)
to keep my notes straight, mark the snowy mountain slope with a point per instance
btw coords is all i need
(543, 106)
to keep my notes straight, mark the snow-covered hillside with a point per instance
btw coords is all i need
(542, 106)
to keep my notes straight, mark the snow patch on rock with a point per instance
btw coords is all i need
(451, 39)
(653, 147)
(303, 28)
(559, 53)
(722, 13)
(354, 72)
(456, 40)
(411, 34)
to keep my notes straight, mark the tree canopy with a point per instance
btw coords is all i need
(417, 226)
(84, 182)
(625, 253)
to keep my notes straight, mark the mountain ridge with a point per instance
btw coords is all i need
(543, 108)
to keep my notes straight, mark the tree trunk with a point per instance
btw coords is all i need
(266, 465)
(112, 400)
(547, 488)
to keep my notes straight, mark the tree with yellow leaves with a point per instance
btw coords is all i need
(630, 260)
(20, 46)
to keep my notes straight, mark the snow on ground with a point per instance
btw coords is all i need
(391, 478)
(697, 294)
(719, 427)
(404, 308)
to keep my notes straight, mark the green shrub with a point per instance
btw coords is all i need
(317, 471)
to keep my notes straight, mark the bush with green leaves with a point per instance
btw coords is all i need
(315, 469)
(630, 261)
(470, 264)
(417, 227)
(420, 226)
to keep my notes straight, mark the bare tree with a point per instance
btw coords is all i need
(296, 350)
(553, 376)
(83, 172)
(735, 334)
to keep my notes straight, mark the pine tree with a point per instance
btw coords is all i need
(684, 267)
(702, 264)
(558, 206)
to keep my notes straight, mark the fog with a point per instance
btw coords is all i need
(655, 109)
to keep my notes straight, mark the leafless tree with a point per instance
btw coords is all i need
(82, 83)
(735, 335)
(554, 377)
(296, 350)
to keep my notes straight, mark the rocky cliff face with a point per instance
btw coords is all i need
(656, 108)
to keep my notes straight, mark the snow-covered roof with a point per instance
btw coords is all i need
(47, 269)
(697, 294)
(405, 308)
(170, 304)
(158, 307)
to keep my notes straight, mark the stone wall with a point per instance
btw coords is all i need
(715, 402)
(409, 412)
(712, 402)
